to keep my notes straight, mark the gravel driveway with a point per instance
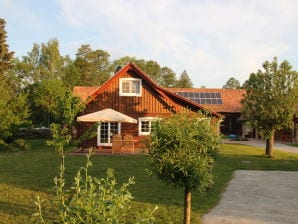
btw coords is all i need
(258, 197)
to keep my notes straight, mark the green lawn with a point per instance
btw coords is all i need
(25, 174)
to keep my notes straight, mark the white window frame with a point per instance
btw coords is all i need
(130, 87)
(150, 119)
(109, 143)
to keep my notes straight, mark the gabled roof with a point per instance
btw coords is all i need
(167, 94)
(231, 98)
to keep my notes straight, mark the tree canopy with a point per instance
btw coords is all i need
(184, 156)
(13, 103)
(5, 55)
(232, 83)
(271, 96)
(184, 81)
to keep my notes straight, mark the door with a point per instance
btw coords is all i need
(105, 131)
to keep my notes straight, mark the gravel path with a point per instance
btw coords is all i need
(258, 197)
(262, 144)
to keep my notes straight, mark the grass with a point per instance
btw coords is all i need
(26, 174)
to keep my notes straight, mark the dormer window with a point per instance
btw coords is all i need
(130, 87)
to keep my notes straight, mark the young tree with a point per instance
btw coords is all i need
(184, 156)
(184, 81)
(232, 83)
(271, 96)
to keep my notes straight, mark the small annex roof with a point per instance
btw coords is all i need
(231, 98)
(160, 90)
(84, 92)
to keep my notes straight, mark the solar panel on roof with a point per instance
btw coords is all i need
(198, 101)
(213, 98)
(197, 95)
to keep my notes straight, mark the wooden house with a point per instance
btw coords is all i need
(131, 92)
(227, 102)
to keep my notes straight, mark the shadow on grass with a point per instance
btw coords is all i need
(16, 209)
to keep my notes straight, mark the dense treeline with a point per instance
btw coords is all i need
(31, 84)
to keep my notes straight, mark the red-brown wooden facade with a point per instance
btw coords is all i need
(154, 101)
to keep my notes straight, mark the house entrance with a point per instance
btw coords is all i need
(105, 131)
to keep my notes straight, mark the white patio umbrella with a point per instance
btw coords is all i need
(106, 115)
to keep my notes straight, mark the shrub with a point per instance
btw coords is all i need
(21, 144)
(4, 147)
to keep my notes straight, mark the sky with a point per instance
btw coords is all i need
(212, 40)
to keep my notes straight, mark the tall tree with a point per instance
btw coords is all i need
(168, 77)
(43, 62)
(153, 70)
(232, 83)
(5, 55)
(71, 75)
(13, 106)
(270, 100)
(93, 66)
(184, 81)
(184, 156)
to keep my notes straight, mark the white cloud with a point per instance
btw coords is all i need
(212, 40)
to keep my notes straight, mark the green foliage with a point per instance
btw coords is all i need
(43, 98)
(21, 144)
(91, 200)
(67, 108)
(271, 97)
(164, 76)
(92, 65)
(168, 77)
(184, 81)
(232, 83)
(4, 147)
(181, 148)
(5, 55)
(42, 63)
(13, 110)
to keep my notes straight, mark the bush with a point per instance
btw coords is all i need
(4, 147)
(21, 144)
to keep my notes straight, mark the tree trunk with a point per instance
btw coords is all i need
(271, 142)
(187, 204)
(269, 145)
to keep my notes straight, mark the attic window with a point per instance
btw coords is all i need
(130, 87)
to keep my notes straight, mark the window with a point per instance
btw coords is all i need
(105, 132)
(130, 87)
(145, 125)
